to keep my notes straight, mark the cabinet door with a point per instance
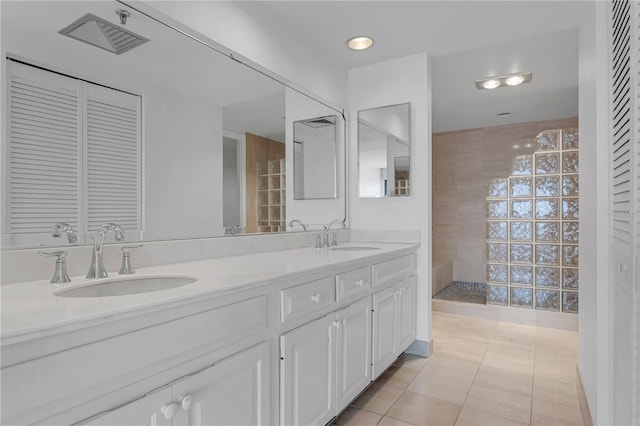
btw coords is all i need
(234, 391)
(144, 411)
(353, 351)
(307, 373)
(384, 330)
(406, 298)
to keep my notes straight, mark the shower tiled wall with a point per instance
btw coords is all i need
(532, 227)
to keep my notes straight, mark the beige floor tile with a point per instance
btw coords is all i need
(398, 375)
(356, 417)
(412, 362)
(378, 398)
(552, 336)
(388, 421)
(549, 413)
(556, 354)
(505, 380)
(480, 325)
(500, 403)
(553, 371)
(564, 393)
(421, 410)
(469, 417)
(518, 363)
(454, 368)
(441, 386)
(523, 333)
(503, 344)
(471, 336)
(463, 349)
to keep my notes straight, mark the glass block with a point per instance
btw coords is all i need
(570, 278)
(521, 165)
(521, 209)
(547, 208)
(497, 231)
(570, 162)
(570, 138)
(548, 232)
(570, 185)
(496, 273)
(570, 301)
(522, 297)
(497, 188)
(570, 232)
(520, 187)
(496, 209)
(547, 164)
(548, 300)
(548, 140)
(497, 294)
(521, 231)
(570, 208)
(547, 254)
(496, 252)
(548, 186)
(521, 253)
(547, 277)
(570, 255)
(522, 275)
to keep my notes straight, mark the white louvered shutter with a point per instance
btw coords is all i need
(298, 170)
(42, 154)
(112, 134)
(624, 151)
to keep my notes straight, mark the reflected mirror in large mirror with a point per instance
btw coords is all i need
(314, 158)
(137, 123)
(384, 151)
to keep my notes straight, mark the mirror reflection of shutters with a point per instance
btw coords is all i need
(298, 170)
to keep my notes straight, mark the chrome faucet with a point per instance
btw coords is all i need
(294, 222)
(97, 270)
(325, 240)
(61, 227)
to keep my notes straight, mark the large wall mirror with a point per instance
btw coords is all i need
(129, 120)
(384, 151)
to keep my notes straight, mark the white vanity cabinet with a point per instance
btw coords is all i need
(147, 411)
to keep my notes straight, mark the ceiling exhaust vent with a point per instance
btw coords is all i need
(320, 121)
(100, 33)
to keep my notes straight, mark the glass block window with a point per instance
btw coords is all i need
(533, 227)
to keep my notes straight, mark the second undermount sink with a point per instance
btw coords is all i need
(130, 285)
(355, 248)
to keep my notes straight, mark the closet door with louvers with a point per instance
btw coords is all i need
(42, 155)
(112, 164)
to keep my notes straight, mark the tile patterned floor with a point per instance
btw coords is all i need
(482, 372)
(462, 291)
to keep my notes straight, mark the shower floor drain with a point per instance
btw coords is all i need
(459, 291)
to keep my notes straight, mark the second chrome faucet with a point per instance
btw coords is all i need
(97, 269)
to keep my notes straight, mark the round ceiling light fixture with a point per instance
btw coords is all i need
(360, 42)
(491, 84)
(504, 114)
(514, 80)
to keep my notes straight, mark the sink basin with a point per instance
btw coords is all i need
(355, 248)
(128, 285)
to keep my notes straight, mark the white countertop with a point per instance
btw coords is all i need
(30, 310)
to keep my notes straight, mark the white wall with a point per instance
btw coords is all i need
(593, 351)
(392, 82)
(319, 159)
(235, 28)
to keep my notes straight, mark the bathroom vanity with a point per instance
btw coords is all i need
(286, 337)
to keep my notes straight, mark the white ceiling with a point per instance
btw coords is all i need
(467, 40)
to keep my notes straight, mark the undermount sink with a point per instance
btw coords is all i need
(130, 285)
(355, 248)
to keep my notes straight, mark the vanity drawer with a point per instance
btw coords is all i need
(353, 282)
(394, 270)
(306, 298)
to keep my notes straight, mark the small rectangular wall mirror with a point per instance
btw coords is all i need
(384, 151)
(314, 158)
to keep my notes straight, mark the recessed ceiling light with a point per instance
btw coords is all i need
(491, 84)
(360, 42)
(504, 80)
(504, 114)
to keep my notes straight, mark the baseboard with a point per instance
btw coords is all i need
(582, 399)
(421, 348)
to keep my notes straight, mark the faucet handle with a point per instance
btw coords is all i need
(126, 267)
(334, 239)
(60, 273)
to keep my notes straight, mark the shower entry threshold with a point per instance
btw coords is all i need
(460, 291)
